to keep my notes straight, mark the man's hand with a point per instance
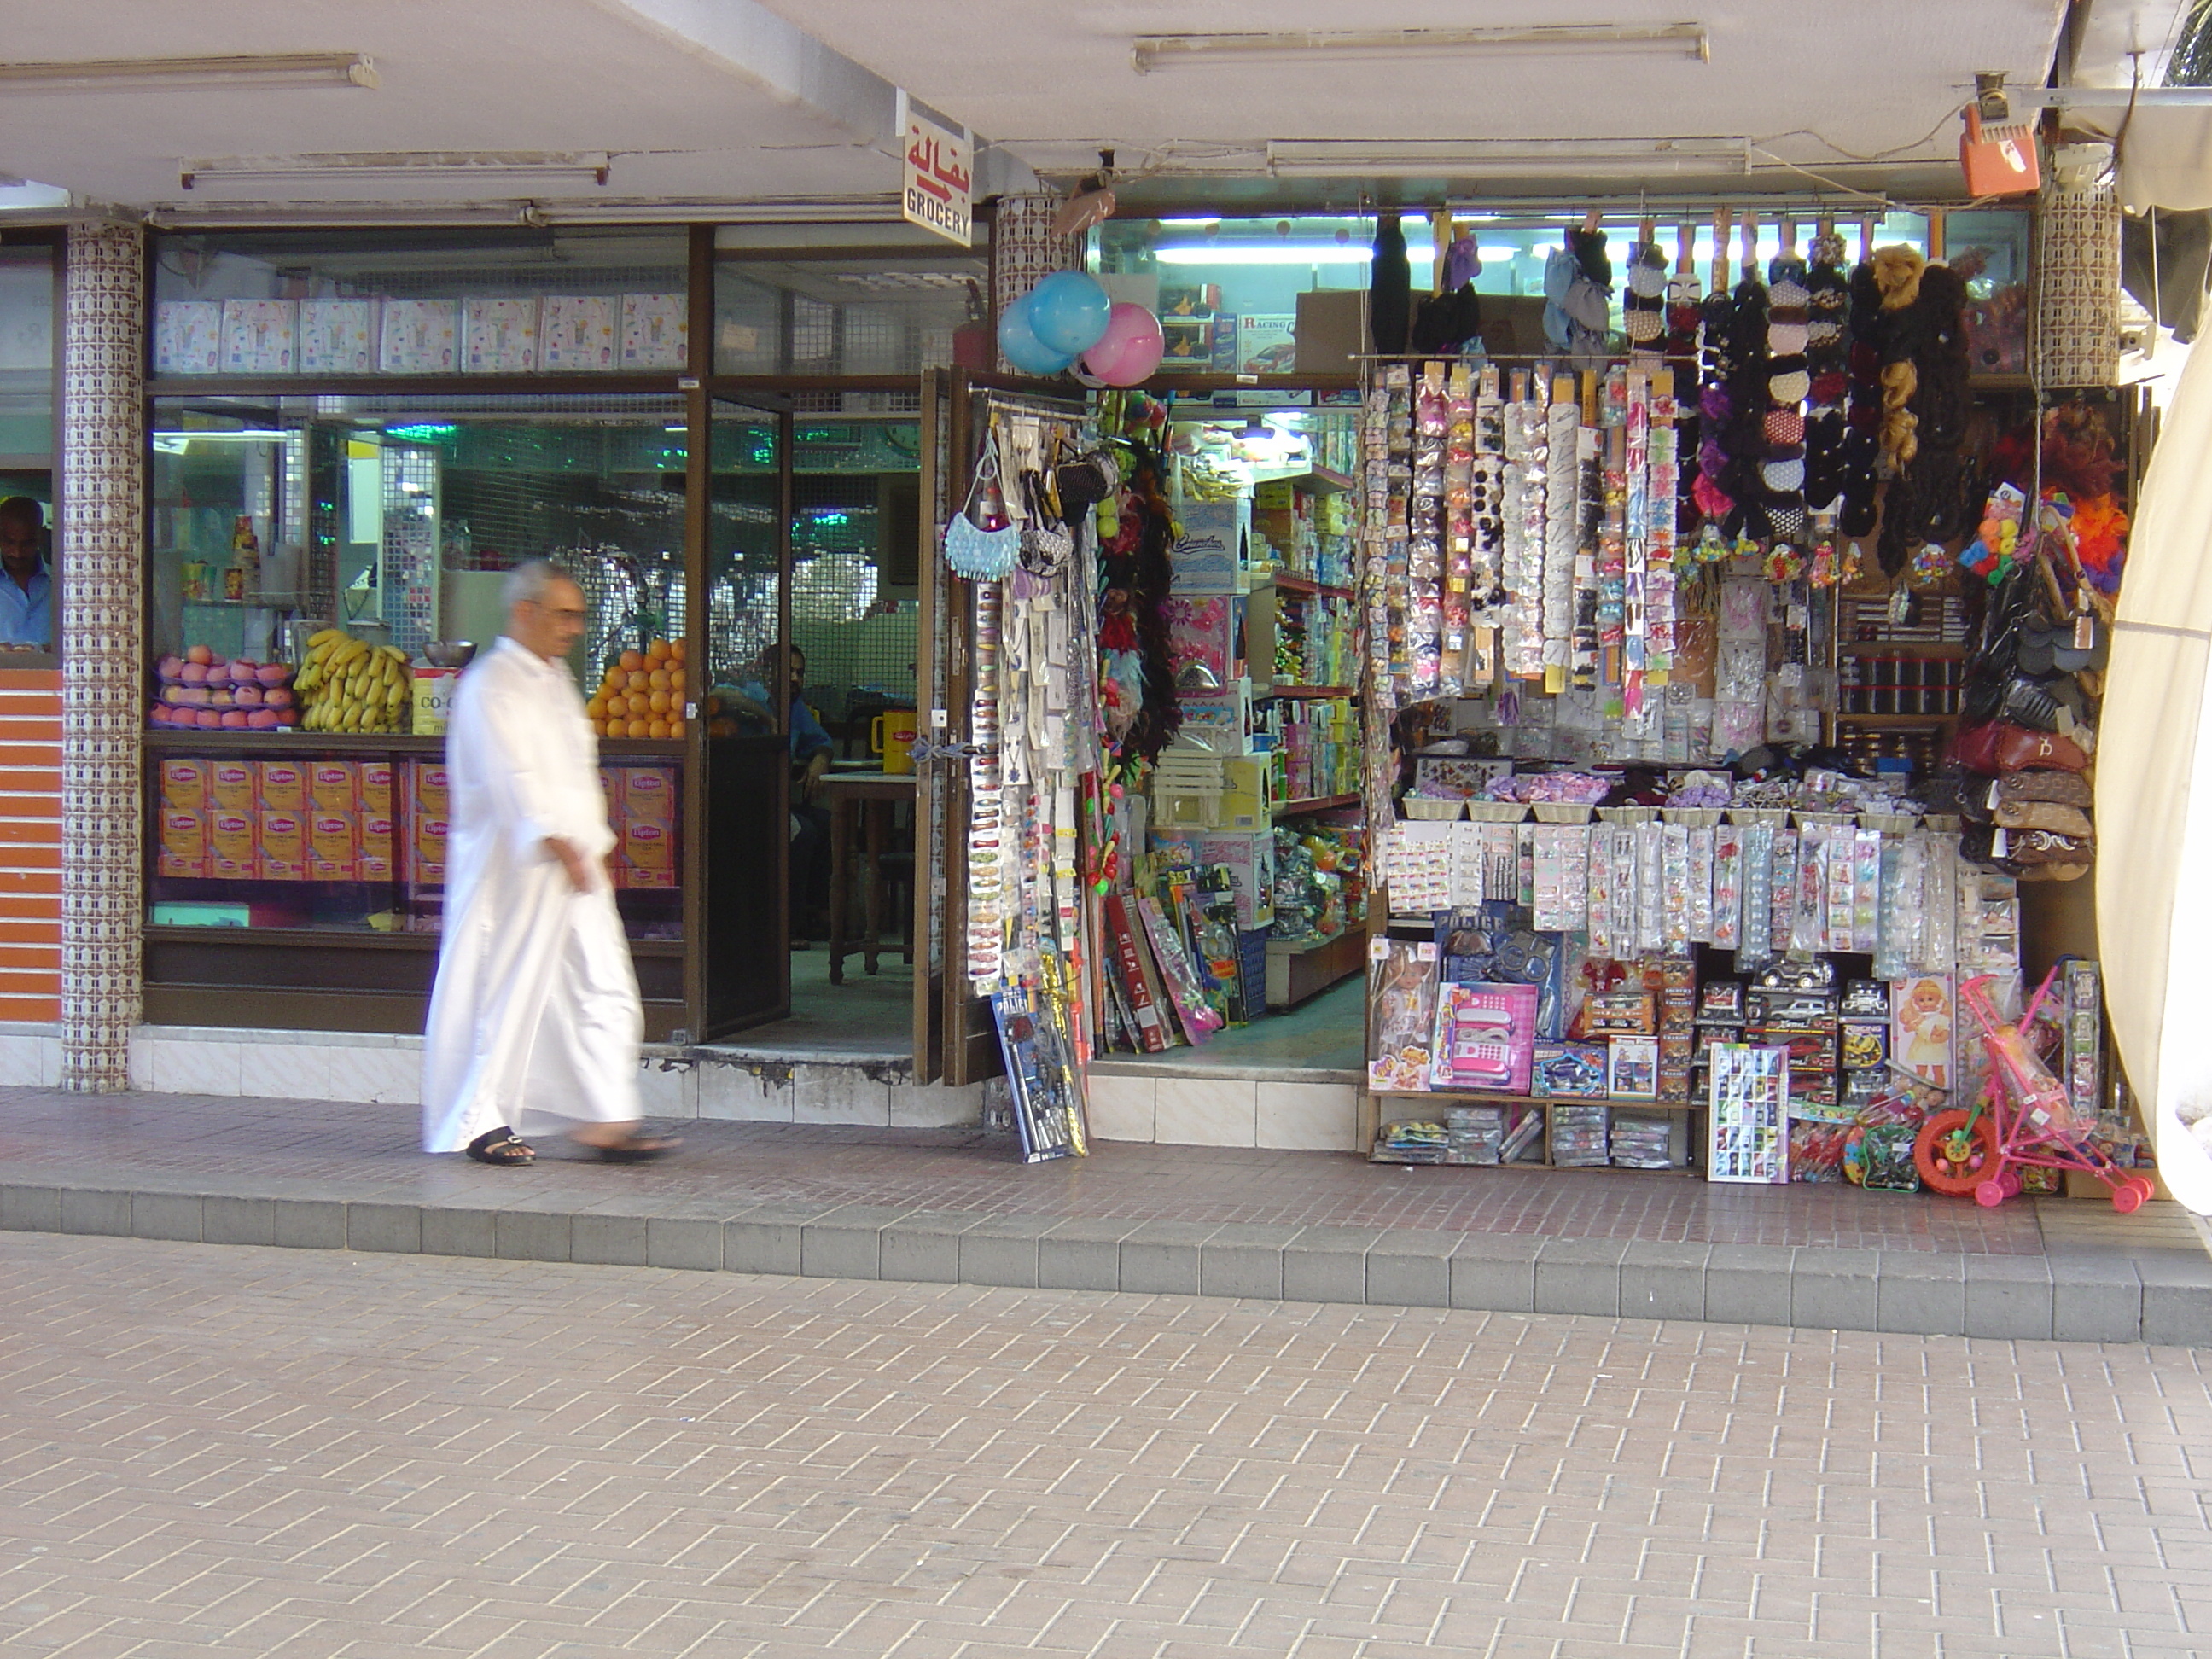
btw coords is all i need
(818, 766)
(572, 861)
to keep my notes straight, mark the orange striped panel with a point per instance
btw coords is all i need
(47, 1008)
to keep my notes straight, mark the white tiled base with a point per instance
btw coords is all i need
(387, 1070)
(1225, 1112)
(30, 1054)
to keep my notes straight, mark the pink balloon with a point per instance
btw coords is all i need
(1129, 350)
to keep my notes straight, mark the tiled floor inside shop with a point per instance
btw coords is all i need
(869, 1017)
(1326, 1033)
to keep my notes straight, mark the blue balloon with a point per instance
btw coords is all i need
(1069, 311)
(1020, 346)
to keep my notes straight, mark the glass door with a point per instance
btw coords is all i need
(739, 612)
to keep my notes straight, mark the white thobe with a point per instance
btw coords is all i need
(535, 1019)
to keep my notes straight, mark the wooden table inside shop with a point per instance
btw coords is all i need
(876, 795)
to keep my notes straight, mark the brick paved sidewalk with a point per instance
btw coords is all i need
(953, 1205)
(294, 1455)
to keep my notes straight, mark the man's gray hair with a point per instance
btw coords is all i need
(529, 581)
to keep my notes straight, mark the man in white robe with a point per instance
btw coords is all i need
(535, 1021)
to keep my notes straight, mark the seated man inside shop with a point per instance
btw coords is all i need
(809, 821)
(26, 609)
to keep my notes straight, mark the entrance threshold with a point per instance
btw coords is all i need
(1321, 1041)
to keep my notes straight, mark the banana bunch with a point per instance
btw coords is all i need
(348, 684)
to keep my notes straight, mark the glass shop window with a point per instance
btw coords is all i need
(28, 342)
(848, 300)
(508, 301)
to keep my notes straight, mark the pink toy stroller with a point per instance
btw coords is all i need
(2022, 1117)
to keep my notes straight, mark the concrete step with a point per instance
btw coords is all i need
(2088, 1291)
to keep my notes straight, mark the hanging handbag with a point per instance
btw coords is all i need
(1085, 482)
(972, 551)
(1975, 748)
(1047, 549)
(2019, 750)
(2046, 815)
(2065, 789)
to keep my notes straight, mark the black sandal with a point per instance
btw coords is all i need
(500, 1147)
(638, 1149)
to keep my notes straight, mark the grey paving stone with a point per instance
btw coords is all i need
(1411, 1267)
(1660, 1279)
(1496, 1271)
(308, 1224)
(452, 1231)
(923, 1246)
(174, 1216)
(1748, 1283)
(1002, 1249)
(393, 1227)
(846, 1243)
(1327, 1264)
(237, 1220)
(1083, 1253)
(687, 1241)
(88, 1210)
(1242, 1260)
(2096, 1296)
(765, 1240)
(1922, 1294)
(1580, 1275)
(615, 1240)
(2177, 1299)
(1161, 1257)
(30, 1209)
(2009, 1296)
(532, 1234)
(1834, 1289)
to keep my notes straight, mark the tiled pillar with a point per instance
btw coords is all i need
(102, 627)
(1023, 249)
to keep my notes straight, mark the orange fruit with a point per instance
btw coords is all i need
(657, 702)
(638, 680)
(658, 679)
(657, 652)
(631, 662)
(675, 651)
(596, 709)
(657, 729)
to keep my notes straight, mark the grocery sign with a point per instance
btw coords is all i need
(939, 174)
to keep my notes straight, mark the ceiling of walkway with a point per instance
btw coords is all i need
(735, 99)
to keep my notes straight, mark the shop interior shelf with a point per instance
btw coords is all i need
(360, 743)
(1310, 692)
(1384, 1155)
(309, 939)
(1327, 479)
(1895, 719)
(1290, 808)
(1286, 583)
(1934, 649)
(1470, 1098)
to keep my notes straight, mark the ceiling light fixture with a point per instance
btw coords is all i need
(1524, 157)
(1148, 53)
(242, 71)
(507, 165)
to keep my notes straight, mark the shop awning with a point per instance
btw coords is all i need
(2167, 159)
(2155, 796)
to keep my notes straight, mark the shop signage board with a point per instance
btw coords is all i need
(938, 164)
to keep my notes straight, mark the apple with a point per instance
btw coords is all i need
(273, 673)
(218, 673)
(278, 697)
(201, 654)
(209, 720)
(263, 720)
(235, 719)
(169, 667)
(247, 697)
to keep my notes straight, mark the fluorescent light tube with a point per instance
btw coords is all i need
(1264, 253)
(242, 71)
(544, 166)
(1148, 53)
(1562, 157)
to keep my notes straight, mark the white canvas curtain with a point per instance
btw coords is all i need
(2153, 787)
